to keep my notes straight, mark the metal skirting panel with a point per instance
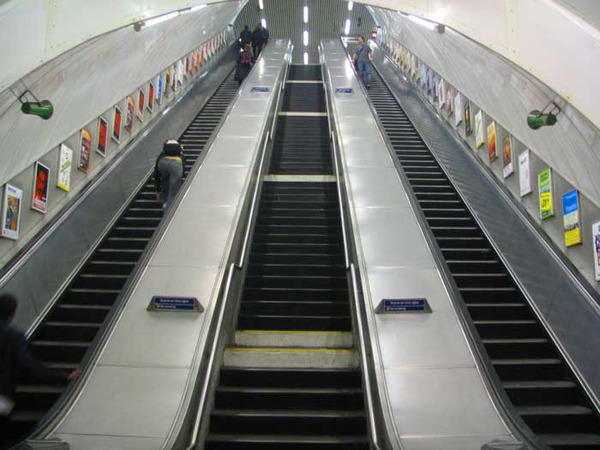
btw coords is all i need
(543, 277)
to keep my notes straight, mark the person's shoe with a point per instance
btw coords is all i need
(368, 86)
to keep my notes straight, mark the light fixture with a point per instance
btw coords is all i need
(350, 6)
(43, 109)
(423, 22)
(160, 19)
(263, 22)
(305, 37)
(305, 58)
(261, 5)
(538, 119)
(347, 27)
(198, 7)
(305, 14)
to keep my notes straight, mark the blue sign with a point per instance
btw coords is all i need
(345, 90)
(163, 303)
(260, 89)
(398, 305)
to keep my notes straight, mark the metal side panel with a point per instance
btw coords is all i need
(553, 290)
(434, 390)
(142, 381)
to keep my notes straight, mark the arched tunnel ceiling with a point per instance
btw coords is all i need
(523, 31)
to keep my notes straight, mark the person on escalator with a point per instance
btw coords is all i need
(168, 172)
(17, 363)
(363, 57)
(245, 63)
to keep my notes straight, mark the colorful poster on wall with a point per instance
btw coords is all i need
(180, 69)
(41, 183)
(102, 136)
(173, 77)
(458, 109)
(11, 212)
(449, 98)
(491, 140)
(479, 139)
(467, 118)
(434, 86)
(65, 161)
(150, 104)
(571, 218)
(130, 114)
(116, 134)
(85, 151)
(167, 82)
(141, 103)
(442, 96)
(524, 174)
(507, 159)
(160, 89)
(596, 241)
(545, 193)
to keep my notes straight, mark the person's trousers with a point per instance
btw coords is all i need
(364, 72)
(171, 172)
(257, 49)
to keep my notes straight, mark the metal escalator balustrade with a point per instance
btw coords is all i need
(68, 331)
(291, 379)
(537, 380)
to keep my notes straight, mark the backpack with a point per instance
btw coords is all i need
(246, 60)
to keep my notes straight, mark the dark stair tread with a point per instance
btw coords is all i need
(279, 413)
(515, 341)
(570, 439)
(287, 438)
(517, 361)
(40, 389)
(554, 410)
(541, 384)
(288, 390)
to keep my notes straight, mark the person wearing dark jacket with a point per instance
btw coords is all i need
(17, 361)
(168, 172)
(244, 64)
(245, 36)
(260, 36)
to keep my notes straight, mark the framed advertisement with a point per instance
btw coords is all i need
(596, 241)
(524, 174)
(85, 151)
(167, 86)
(150, 104)
(117, 119)
(491, 141)
(507, 159)
(458, 110)
(449, 98)
(65, 161)
(442, 96)
(141, 104)
(11, 212)
(479, 139)
(130, 113)
(159, 90)
(102, 136)
(41, 183)
(467, 119)
(545, 193)
(571, 218)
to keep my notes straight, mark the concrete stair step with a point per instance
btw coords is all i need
(295, 339)
(290, 357)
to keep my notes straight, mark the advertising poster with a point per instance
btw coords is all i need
(442, 96)
(85, 151)
(458, 109)
(545, 193)
(116, 134)
(449, 106)
(507, 162)
(468, 128)
(130, 113)
(180, 72)
(102, 136)
(160, 88)
(434, 86)
(150, 104)
(491, 140)
(167, 82)
(571, 219)
(479, 140)
(11, 212)
(41, 183)
(173, 77)
(596, 241)
(141, 103)
(524, 174)
(65, 162)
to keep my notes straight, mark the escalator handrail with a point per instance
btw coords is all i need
(491, 380)
(240, 263)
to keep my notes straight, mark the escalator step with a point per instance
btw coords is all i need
(219, 441)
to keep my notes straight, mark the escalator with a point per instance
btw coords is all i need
(541, 386)
(292, 379)
(68, 331)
